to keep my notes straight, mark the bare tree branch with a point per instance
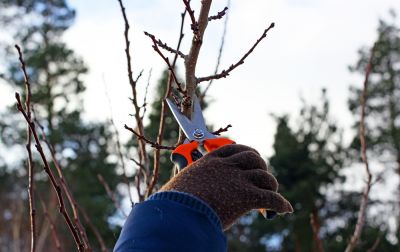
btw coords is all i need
(121, 158)
(143, 157)
(170, 68)
(139, 76)
(118, 143)
(52, 226)
(220, 15)
(364, 200)
(194, 26)
(191, 61)
(71, 199)
(220, 130)
(111, 194)
(95, 231)
(144, 106)
(225, 73)
(31, 189)
(73, 229)
(152, 144)
(315, 225)
(375, 245)
(164, 106)
(164, 45)
(221, 48)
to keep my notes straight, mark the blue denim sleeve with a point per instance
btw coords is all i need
(172, 221)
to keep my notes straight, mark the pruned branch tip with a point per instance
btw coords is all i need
(226, 72)
(220, 130)
(220, 15)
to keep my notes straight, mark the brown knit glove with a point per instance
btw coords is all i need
(232, 180)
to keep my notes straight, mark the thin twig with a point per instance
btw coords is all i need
(225, 73)
(139, 76)
(139, 173)
(220, 130)
(70, 197)
(195, 25)
(53, 181)
(94, 229)
(164, 107)
(221, 48)
(315, 225)
(121, 158)
(220, 15)
(152, 144)
(136, 162)
(118, 143)
(143, 157)
(144, 106)
(170, 68)
(165, 46)
(110, 194)
(31, 189)
(52, 226)
(375, 245)
(364, 200)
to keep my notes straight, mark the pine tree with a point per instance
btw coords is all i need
(56, 75)
(382, 104)
(307, 158)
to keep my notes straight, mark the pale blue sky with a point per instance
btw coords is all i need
(310, 48)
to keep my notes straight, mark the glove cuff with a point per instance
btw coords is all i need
(191, 202)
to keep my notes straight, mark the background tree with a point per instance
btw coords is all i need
(382, 107)
(307, 156)
(82, 147)
(307, 162)
(307, 159)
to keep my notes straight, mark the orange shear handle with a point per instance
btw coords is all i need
(185, 154)
(214, 143)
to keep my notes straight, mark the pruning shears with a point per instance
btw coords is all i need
(197, 136)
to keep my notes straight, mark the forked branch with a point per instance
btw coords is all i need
(143, 157)
(225, 73)
(31, 189)
(170, 68)
(73, 229)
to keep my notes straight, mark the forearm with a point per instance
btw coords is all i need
(172, 221)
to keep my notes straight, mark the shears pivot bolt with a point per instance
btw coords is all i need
(198, 134)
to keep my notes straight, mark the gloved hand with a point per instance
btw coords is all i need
(232, 180)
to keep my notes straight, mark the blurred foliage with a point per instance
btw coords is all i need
(306, 163)
(308, 158)
(309, 153)
(382, 107)
(82, 148)
(382, 104)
